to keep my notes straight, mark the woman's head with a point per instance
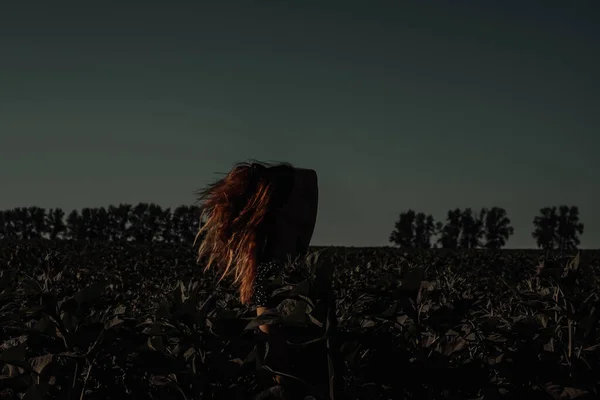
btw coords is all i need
(257, 211)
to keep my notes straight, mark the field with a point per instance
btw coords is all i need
(104, 321)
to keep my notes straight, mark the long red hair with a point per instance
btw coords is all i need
(238, 210)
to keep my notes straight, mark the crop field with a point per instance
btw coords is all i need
(107, 320)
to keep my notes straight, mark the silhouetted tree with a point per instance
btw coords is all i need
(186, 222)
(87, 223)
(569, 228)
(99, 224)
(471, 229)
(558, 228)
(168, 234)
(164, 229)
(147, 222)
(424, 230)
(142, 223)
(413, 230)
(22, 223)
(3, 224)
(450, 231)
(496, 227)
(37, 218)
(8, 229)
(55, 224)
(138, 218)
(118, 221)
(156, 221)
(546, 226)
(404, 232)
(75, 227)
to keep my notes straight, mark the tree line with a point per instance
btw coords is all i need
(144, 222)
(555, 228)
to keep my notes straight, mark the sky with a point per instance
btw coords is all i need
(424, 105)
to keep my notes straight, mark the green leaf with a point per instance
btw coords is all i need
(412, 280)
(572, 393)
(120, 310)
(296, 319)
(314, 320)
(573, 264)
(162, 380)
(6, 294)
(156, 343)
(36, 392)
(274, 392)
(43, 324)
(163, 309)
(390, 312)
(594, 348)
(7, 277)
(90, 293)
(189, 353)
(16, 356)
(39, 363)
(114, 322)
(454, 346)
(266, 318)
(496, 337)
(301, 289)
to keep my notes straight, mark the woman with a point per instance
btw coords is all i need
(258, 216)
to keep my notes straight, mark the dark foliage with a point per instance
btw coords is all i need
(462, 229)
(413, 230)
(142, 223)
(558, 228)
(104, 321)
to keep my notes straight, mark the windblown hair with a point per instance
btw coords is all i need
(239, 210)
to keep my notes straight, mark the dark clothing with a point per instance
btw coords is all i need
(265, 271)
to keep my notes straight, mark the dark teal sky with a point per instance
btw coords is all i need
(427, 105)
